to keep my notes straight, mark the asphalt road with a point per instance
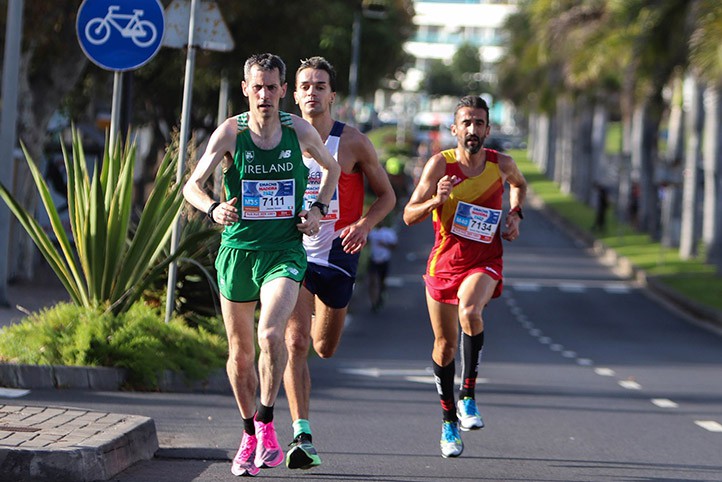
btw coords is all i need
(585, 377)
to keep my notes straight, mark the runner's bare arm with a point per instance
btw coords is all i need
(432, 190)
(354, 236)
(221, 143)
(517, 195)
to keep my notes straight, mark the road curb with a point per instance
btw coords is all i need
(625, 268)
(63, 444)
(102, 379)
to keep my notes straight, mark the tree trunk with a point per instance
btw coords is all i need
(582, 158)
(694, 121)
(645, 132)
(564, 145)
(712, 159)
(671, 199)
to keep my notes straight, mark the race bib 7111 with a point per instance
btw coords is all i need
(273, 199)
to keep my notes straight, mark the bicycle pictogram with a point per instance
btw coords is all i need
(142, 32)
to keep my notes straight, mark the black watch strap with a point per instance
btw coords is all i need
(323, 208)
(210, 210)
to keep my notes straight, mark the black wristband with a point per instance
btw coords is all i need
(210, 210)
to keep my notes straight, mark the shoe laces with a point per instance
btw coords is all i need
(469, 405)
(450, 432)
(248, 448)
(267, 434)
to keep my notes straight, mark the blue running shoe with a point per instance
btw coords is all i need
(451, 444)
(469, 418)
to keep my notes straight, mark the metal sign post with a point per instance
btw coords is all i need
(205, 29)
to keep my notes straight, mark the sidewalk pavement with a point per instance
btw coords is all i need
(64, 444)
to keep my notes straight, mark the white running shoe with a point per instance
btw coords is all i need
(469, 418)
(451, 444)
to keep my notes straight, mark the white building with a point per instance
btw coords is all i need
(443, 25)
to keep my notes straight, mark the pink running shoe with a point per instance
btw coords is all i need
(243, 461)
(268, 452)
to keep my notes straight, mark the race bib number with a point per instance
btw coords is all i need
(312, 188)
(475, 222)
(268, 199)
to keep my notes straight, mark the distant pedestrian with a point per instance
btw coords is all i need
(462, 189)
(600, 211)
(382, 241)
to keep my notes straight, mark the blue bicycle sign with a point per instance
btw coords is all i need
(142, 32)
(120, 34)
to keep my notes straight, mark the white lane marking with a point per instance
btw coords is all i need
(605, 372)
(630, 385)
(616, 289)
(13, 392)
(535, 332)
(394, 282)
(664, 403)
(430, 380)
(379, 372)
(584, 362)
(710, 425)
(545, 340)
(569, 354)
(572, 288)
(556, 347)
(526, 286)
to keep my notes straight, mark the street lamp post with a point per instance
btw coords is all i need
(375, 9)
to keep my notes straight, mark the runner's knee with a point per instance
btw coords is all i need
(324, 348)
(444, 351)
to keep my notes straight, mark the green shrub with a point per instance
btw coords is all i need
(138, 340)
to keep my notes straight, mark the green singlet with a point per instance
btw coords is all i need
(265, 243)
(269, 185)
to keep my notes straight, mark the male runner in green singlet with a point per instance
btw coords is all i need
(261, 257)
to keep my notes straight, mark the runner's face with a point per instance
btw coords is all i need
(470, 128)
(264, 91)
(313, 92)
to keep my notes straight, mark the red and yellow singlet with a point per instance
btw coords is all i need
(467, 230)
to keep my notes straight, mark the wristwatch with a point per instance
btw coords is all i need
(323, 208)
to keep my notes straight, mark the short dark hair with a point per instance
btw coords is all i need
(265, 62)
(320, 63)
(474, 102)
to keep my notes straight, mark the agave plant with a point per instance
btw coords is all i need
(109, 262)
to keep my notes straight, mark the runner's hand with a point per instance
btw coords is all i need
(226, 213)
(444, 187)
(310, 222)
(353, 238)
(511, 225)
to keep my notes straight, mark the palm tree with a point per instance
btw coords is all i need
(704, 57)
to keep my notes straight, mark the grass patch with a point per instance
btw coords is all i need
(694, 278)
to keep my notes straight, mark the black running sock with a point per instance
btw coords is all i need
(265, 414)
(471, 348)
(248, 426)
(445, 386)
